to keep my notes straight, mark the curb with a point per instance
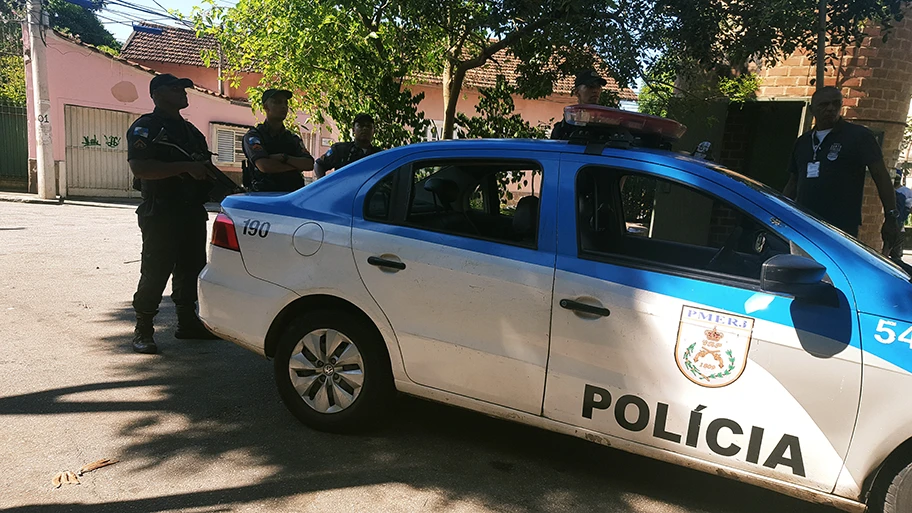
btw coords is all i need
(28, 198)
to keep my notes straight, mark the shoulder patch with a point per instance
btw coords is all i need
(141, 131)
(329, 152)
(253, 140)
(139, 144)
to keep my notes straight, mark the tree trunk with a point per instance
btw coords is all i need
(453, 77)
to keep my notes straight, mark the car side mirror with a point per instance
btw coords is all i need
(795, 275)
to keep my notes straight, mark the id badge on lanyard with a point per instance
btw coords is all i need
(813, 167)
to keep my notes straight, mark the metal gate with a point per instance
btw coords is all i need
(96, 152)
(13, 147)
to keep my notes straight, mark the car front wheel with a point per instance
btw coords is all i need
(892, 491)
(333, 372)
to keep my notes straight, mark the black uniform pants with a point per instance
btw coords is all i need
(174, 244)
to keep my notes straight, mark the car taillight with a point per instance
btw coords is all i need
(223, 234)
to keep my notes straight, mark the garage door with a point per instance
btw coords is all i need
(96, 152)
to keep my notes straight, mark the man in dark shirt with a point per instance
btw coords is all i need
(587, 88)
(827, 169)
(172, 215)
(276, 155)
(344, 153)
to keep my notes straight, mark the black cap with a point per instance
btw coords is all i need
(589, 77)
(269, 93)
(168, 79)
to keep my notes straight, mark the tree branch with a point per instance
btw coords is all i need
(512, 37)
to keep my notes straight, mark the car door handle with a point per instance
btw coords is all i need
(382, 262)
(576, 306)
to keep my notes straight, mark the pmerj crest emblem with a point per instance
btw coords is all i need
(712, 347)
(833, 154)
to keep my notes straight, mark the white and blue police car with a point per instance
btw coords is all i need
(602, 287)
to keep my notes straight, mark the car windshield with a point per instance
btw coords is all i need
(868, 254)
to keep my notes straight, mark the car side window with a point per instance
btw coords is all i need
(484, 199)
(662, 223)
(379, 199)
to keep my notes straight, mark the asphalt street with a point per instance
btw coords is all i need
(200, 427)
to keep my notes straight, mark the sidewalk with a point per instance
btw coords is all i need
(130, 203)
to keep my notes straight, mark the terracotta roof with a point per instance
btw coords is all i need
(181, 46)
(174, 45)
(126, 62)
(504, 64)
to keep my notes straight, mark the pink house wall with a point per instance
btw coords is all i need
(205, 77)
(546, 111)
(78, 75)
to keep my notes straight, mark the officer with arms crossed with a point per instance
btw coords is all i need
(172, 215)
(344, 153)
(587, 88)
(827, 169)
(276, 154)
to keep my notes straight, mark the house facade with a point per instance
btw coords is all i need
(96, 96)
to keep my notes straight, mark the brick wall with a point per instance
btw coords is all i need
(876, 81)
(735, 139)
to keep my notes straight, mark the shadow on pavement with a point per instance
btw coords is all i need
(228, 400)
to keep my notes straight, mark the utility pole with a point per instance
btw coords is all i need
(47, 188)
(821, 43)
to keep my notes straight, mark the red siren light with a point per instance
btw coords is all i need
(594, 116)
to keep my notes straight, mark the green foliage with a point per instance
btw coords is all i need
(675, 92)
(341, 58)
(12, 80)
(907, 135)
(350, 55)
(78, 21)
(497, 119)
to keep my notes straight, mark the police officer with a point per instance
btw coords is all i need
(344, 153)
(172, 216)
(587, 88)
(827, 169)
(276, 155)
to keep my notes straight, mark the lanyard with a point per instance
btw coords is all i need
(816, 143)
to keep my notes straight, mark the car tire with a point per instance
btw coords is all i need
(894, 496)
(347, 392)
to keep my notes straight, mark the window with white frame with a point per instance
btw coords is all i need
(435, 131)
(229, 144)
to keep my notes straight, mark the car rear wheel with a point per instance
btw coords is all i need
(332, 371)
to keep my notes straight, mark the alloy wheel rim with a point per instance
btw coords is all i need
(326, 370)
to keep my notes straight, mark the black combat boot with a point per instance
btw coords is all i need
(142, 334)
(189, 326)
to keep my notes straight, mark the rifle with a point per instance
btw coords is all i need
(222, 185)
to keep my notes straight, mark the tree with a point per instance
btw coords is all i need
(75, 20)
(336, 51)
(65, 17)
(342, 57)
(497, 119)
(695, 65)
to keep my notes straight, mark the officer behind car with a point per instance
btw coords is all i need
(344, 153)
(587, 88)
(827, 169)
(275, 155)
(172, 215)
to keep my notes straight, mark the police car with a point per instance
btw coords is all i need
(602, 287)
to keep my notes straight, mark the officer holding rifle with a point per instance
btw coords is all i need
(171, 163)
